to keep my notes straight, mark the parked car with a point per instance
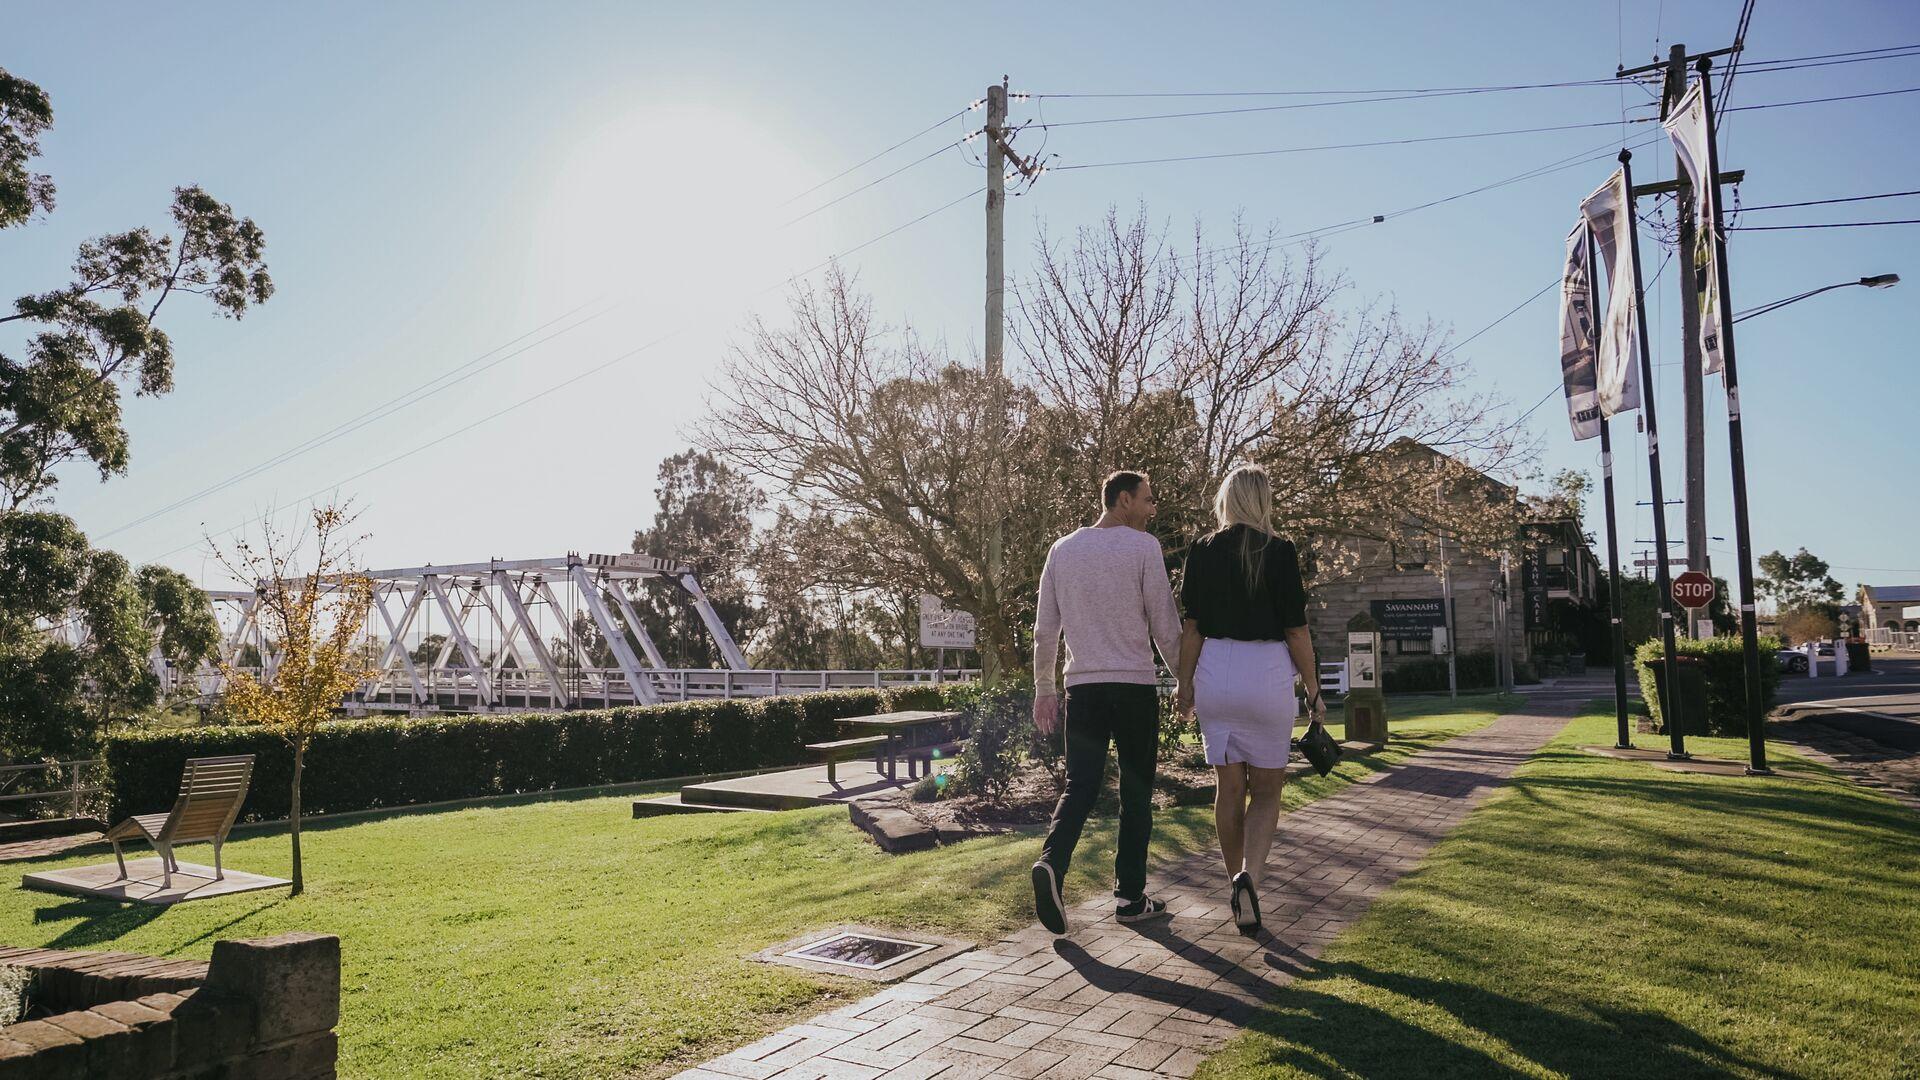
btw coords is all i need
(1791, 661)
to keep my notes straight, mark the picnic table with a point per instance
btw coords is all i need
(902, 730)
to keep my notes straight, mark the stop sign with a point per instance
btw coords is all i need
(1693, 589)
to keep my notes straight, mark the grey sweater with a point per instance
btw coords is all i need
(1107, 590)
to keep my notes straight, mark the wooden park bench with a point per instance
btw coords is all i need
(211, 791)
(841, 749)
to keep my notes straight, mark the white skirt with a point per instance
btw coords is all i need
(1244, 699)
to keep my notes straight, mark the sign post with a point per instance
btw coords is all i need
(1693, 589)
(1366, 705)
(943, 629)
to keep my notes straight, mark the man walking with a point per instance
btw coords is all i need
(1106, 588)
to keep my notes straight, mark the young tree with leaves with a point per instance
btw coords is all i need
(316, 615)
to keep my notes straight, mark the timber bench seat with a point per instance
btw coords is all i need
(841, 749)
(211, 791)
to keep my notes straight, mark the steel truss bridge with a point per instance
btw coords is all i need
(510, 645)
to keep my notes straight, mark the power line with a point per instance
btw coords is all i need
(1451, 138)
(1511, 312)
(1423, 95)
(454, 376)
(1604, 150)
(871, 183)
(1822, 225)
(1332, 146)
(1733, 68)
(420, 393)
(1824, 100)
(1787, 63)
(856, 168)
(571, 380)
(1825, 202)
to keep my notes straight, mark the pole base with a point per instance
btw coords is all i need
(1623, 746)
(1671, 756)
(1761, 771)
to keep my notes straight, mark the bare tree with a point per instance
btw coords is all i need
(316, 615)
(878, 443)
(1126, 356)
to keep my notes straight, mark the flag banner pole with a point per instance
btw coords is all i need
(1670, 690)
(1736, 451)
(1623, 734)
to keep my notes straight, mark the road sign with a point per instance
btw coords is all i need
(943, 628)
(1693, 589)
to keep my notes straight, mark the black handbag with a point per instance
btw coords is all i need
(1321, 751)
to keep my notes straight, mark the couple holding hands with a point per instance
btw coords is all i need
(1240, 646)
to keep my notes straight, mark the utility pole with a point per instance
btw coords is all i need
(1736, 450)
(995, 340)
(996, 236)
(999, 152)
(1692, 379)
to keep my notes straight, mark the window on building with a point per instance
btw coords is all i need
(1556, 556)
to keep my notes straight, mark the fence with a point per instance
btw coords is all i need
(13, 776)
(1888, 638)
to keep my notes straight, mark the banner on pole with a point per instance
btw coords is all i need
(1576, 338)
(1617, 368)
(1687, 127)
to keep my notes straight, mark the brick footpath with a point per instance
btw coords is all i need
(1152, 1000)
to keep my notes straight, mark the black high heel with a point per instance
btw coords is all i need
(1246, 905)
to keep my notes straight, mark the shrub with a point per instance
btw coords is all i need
(380, 762)
(997, 740)
(1475, 671)
(1723, 665)
(16, 993)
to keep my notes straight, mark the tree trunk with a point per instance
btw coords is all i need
(299, 762)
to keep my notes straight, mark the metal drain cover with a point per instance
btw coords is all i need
(874, 953)
(868, 952)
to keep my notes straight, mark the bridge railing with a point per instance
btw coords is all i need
(49, 780)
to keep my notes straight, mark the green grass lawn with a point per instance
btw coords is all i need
(562, 938)
(1603, 918)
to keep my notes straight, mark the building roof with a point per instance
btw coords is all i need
(1894, 594)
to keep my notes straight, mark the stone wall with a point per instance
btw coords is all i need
(263, 1009)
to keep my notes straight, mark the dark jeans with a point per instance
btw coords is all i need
(1128, 715)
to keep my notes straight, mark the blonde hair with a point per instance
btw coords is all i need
(1246, 498)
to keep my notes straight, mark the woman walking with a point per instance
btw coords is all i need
(1243, 643)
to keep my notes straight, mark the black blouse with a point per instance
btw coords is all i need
(1214, 592)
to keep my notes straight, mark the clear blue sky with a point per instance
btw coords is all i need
(438, 180)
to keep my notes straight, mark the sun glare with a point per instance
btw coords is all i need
(677, 207)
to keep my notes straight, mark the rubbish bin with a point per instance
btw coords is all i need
(1691, 699)
(1859, 657)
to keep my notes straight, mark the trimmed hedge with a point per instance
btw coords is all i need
(1723, 662)
(1476, 672)
(391, 761)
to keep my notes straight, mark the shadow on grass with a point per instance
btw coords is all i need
(348, 818)
(99, 921)
(1323, 1034)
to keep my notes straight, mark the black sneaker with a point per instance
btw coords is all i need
(1046, 898)
(1246, 905)
(1144, 908)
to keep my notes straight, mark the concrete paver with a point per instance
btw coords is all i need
(1126, 1002)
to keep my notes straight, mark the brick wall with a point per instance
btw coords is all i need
(263, 1008)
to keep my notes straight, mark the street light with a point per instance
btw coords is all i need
(1877, 281)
